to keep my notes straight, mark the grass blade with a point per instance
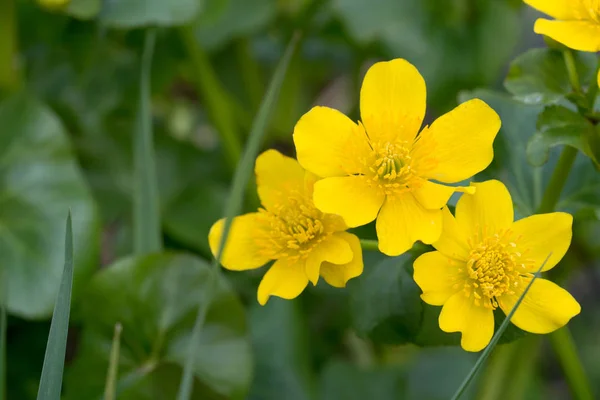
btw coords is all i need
(54, 360)
(235, 201)
(113, 367)
(488, 350)
(146, 211)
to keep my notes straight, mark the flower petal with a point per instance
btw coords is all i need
(284, 279)
(277, 176)
(545, 308)
(538, 235)
(241, 252)
(337, 275)
(453, 241)
(432, 195)
(329, 144)
(392, 101)
(402, 221)
(350, 197)
(476, 323)
(559, 9)
(334, 249)
(460, 142)
(578, 35)
(437, 275)
(488, 211)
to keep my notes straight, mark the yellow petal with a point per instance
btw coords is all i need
(559, 9)
(486, 212)
(334, 249)
(402, 221)
(578, 35)
(435, 196)
(538, 235)
(276, 177)
(329, 144)
(476, 323)
(460, 142)
(438, 277)
(241, 252)
(545, 308)
(350, 197)
(331, 222)
(284, 279)
(392, 101)
(337, 275)
(453, 241)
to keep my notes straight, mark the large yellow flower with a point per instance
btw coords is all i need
(577, 23)
(304, 242)
(485, 260)
(381, 169)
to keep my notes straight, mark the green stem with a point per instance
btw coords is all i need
(558, 180)
(370, 245)
(564, 346)
(214, 96)
(572, 70)
(113, 367)
(9, 73)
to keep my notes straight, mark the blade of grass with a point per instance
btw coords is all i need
(113, 368)
(234, 205)
(486, 353)
(54, 360)
(146, 211)
(564, 346)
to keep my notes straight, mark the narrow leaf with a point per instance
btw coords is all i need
(235, 201)
(488, 350)
(54, 360)
(146, 211)
(113, 367)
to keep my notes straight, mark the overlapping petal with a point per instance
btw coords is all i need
(402, 221)
(277, 176)
(432, 195)
(559, 9)
(285, 279)
(333, 249)
(453, 241)
(476, 323)
(437, 276)
(392, 101)
(338, 274)
(577, 35)
(545, 308)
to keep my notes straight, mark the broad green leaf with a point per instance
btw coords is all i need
(39, 182)
(539, 76)
(558, 125)
(143, 13)
(54, 361)
(281, 351)
(155, 298)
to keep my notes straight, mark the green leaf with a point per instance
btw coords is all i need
(54, 361)
(39, 182)
(236, 195)
(557, 125)
(84, 9)
(146, 211)
(539, 76)
(143, 13)
(155, 298)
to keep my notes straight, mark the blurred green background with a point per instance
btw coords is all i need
(69, 90)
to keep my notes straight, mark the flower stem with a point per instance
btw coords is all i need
(564, 346)
(572, 70)
(558, 180)
(370, 245)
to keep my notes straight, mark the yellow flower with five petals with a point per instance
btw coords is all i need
(484, 260)
(381, 169)
(577, 23)
(304, 242)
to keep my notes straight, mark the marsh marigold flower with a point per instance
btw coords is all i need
(304, 242)
(380, 168)
(484, 260)
(576, 25)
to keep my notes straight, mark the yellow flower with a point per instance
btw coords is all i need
(577, 22)
(381, 169)
(485, 260)
(303, 241)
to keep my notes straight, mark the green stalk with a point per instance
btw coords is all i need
(214, 96)
(564, 346)
(9, 73)
(558, 180)
(572, 70)
(3, 329)
(369, 245)
(113, 367)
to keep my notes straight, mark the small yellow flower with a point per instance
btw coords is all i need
(577, 22)
(304, 242)
(485, 260)
(381, 168)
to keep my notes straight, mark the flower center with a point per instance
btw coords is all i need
(392, 167)
(494, 268)
(291, 229)
(593, 9)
